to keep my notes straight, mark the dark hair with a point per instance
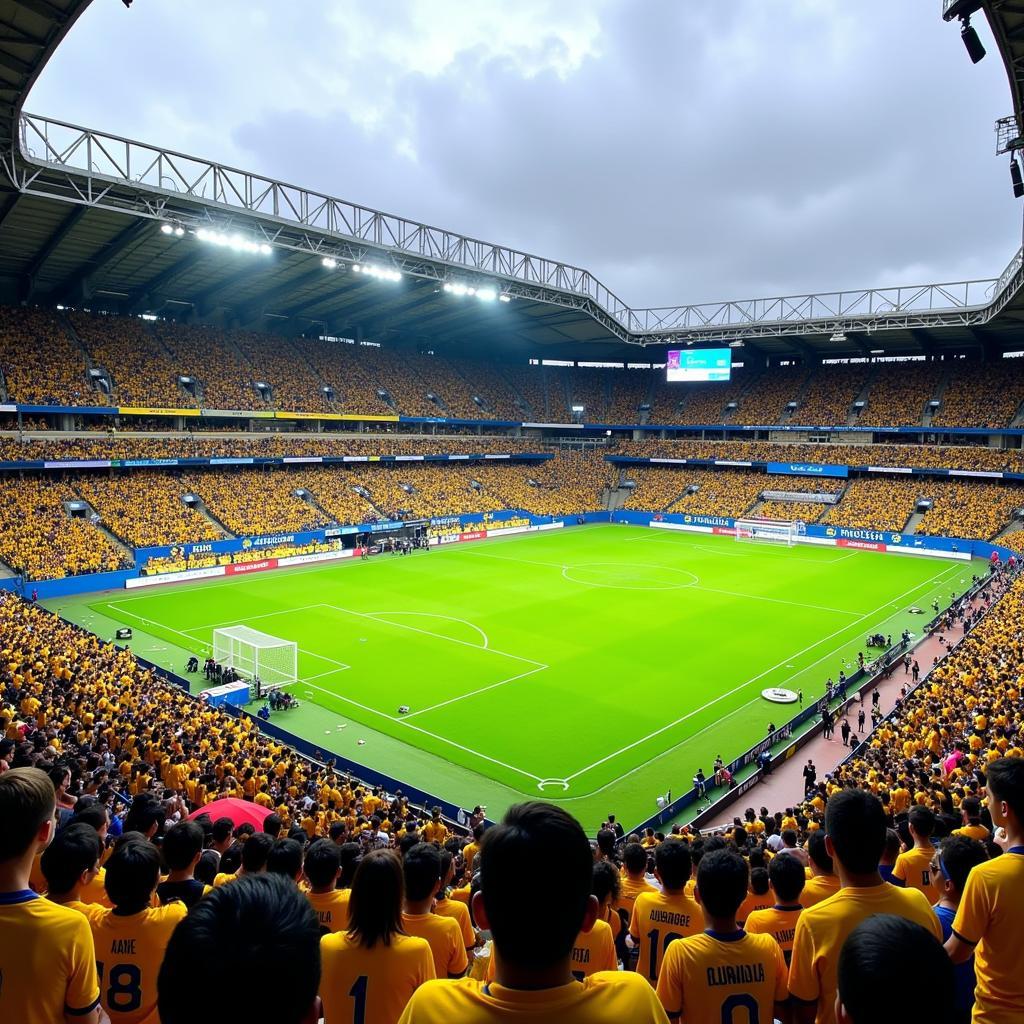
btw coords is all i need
(876, 960)
(722, 882)
(922, 820)
(818, 852)
(206, 870)
(261, 919)
(891, 848)
(94, 815)
(759, 879)
(144, 813)
(285, 858)
(75, 849)
(132, 873)
(957, 855)
(222, 828)
(322, 864)
(855, 822)
(27, 801)
(272, 824)
(231, 859)
(787, 878)
(606, 881)
(375, 906)
(422, 869)
(515, 860)
(255, 851)
(1006, 780)
(182, 842)
(634, 856)
(350, 855)
(673, 862)
(971, 806)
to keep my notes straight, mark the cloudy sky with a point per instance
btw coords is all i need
(682, 150)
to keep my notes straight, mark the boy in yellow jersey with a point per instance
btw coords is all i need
(258, 922)
(422, 869)
(855, 829)
(70, 862)
(824, 881)
(913, 868)
(634, 877)
(471, 849)
(47, 962)
(988, 920)
(759, 896)
(435, 830)
(255, 851)
(182, 848)
(659, 918)
(130, 939)
(787, 881)
(455, 909)
(534, 925)
(970, 811)
(891, 969)
(322, 867)
(724, 974)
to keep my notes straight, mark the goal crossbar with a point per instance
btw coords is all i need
(769, 531)
(253, 653)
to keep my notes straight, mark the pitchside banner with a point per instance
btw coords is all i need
(807, 469)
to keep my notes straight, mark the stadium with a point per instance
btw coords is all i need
(380, 528)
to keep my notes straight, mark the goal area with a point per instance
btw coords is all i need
(252, 653)
(770, 531)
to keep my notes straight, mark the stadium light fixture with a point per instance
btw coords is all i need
(1016, 179)
(381, 273)
(973, 45)
(166, 228)
(838, 337)
(485, 293)
(963, 9)
(172, 229)
(329, 262)
(235, 242)
(504, 298)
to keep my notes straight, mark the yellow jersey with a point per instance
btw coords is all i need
(459, 912)
(978, 832)
(223, 877)
(780, 923)
(608, 997)
(47, 961)
(371, 986)
(723, 977)
(822, 930)
(129, 951)
(658, 920)
(95, 891)
(90, 910)
(594, 951)
(629, 889)
(331, 909)
(914, 870)
(445, 938)
(754, 901)
(818, 888)
(989, 917)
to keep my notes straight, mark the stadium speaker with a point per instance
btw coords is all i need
(1015, 177)
(973, 44)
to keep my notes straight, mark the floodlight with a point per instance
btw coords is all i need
(1015, 177)
(329, 263)
(166, 228)
(265, 249)
(486, 294)
(838, 337)
(447, 287)
(356, 267)
(973, 45)
(504, 298)
(179, 231)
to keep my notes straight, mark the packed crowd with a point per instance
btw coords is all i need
(766, 402)
(898, 399)
(275, 361)
(876, 503)
(975, 509)
(982, 395)
(831, 393)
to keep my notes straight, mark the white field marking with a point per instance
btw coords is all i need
(441, 739)
(320, 675)
(426, 632)
(777, 600)
(434, 615)
(754, 679)
(248, 618)
(473, 693)
(621, 586)
(523, 561)
(670, 537)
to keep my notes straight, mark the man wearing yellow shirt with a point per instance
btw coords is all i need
(634, 877)
(988, 920)
(70, 862)
(725, 973)
(823, 881)
(471, 849)
(46, 951)
(787, 882)
(422, 869)
(455, 909)
(435, 830)
(534, 925)
(972, 828)
(322, 867)
(855, 827)
(913, 868)
(660, 918)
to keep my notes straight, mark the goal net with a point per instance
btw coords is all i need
(253, 653)
(769, 531)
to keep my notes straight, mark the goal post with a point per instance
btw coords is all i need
(252, 653)
(769, 531)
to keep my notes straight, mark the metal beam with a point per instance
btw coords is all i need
(52, 243)
(206, 301)
(81, 282)
(145, 293)
(251, 312)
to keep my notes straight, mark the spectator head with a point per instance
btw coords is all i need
(285, 858)
(273, 824)
(323, 865)
(673, 864)
(953, 861)
(607, 885)
(132, 873)
(721, 883)
(421, 866)
(855, 830)
(606, 843)
(183, 846)
(759, 881)
(787, 878)
(892, 847)
(817, 852)
(145, 815)
(634, 857)
(259, 919)
(255, 851)
(94, 815)
(970, 808)
(516, 857)
(350, 854)
(789, 838)
(223, 830)
(375, 906)
(71, 860)
(205, 870)
(921, 821)
(28, 802)
(1005, 792)
(876, 960)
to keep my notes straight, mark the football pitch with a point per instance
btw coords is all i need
(596, 666)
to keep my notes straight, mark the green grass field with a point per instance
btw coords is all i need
(598, 666)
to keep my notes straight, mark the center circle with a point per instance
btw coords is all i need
(629, 576)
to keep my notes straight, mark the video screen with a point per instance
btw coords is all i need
(696, 364)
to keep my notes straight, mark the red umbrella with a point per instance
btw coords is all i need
(241, 812)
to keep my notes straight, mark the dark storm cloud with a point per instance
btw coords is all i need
(682, 151)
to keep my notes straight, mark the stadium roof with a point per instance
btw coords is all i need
(81, 214)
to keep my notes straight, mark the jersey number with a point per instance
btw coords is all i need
(653, 937)
(124, 994)
(729, 1007)
(358, 994)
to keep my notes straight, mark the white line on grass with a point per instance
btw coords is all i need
(473, 693)
(247, 618)
(435, 615)
(776, 600)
